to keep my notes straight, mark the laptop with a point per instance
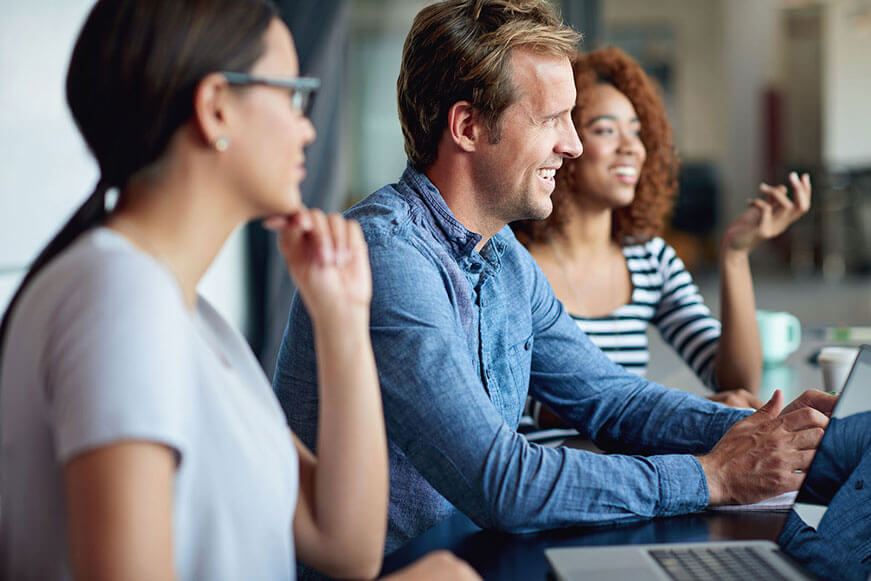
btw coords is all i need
(715, 559)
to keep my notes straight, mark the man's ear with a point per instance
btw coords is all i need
(465, 126)
(211, 101)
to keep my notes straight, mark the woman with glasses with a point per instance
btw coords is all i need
(140, 438)
(602, 251)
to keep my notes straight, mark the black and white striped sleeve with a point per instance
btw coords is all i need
(682, 317)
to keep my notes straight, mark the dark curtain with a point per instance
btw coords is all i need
(320, 32)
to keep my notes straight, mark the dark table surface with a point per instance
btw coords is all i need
(504, 556)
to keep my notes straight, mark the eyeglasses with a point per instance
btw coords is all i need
(302, 89)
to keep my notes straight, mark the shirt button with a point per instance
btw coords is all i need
(528, 345)
(859, 485)
(475, 267)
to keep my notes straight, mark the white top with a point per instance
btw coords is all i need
(101, 349)
(663, 295)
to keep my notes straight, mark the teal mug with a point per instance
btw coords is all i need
(780, 333)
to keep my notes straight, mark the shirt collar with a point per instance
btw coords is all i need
(462, 240)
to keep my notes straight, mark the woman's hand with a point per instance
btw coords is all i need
(739, 355)
(769, 215)
(737, 398)
(434, 566)
(327, 258)
(340, 520)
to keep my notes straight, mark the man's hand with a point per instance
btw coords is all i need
(813, 398)
(766, 453)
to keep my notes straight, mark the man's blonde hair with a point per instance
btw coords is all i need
(459, 50)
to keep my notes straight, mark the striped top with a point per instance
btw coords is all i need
(664, 295)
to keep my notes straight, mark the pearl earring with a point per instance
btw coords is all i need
(222, 144)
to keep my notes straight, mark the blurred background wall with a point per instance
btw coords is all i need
(754, 88)
(45, 168)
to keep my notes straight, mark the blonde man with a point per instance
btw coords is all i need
(464, 325)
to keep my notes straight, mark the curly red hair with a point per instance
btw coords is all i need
(645, 217)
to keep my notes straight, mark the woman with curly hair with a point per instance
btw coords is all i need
(601, 247)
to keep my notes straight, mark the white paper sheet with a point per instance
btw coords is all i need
(780, 502)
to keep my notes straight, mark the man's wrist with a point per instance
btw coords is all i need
(715, 489)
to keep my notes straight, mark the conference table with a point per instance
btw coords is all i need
(503, 556)
(506, 556)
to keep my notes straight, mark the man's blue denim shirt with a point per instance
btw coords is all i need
(460, 338)
(839, 478)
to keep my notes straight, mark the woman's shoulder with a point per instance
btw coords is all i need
(101, 275)
(102, 261)
(653, 251)
(100, 305)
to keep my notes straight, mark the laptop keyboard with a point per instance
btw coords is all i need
(726, 563)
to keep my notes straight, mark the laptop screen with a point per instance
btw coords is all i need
(829, 527)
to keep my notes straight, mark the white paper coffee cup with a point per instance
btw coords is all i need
(835, 363)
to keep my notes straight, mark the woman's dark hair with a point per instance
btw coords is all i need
(131, 83)
(646, 216)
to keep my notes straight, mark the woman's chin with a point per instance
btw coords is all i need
(292, 200)
(624, 196)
